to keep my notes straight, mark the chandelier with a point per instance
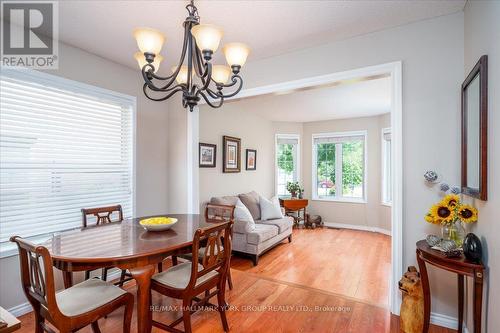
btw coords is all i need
(195, 76)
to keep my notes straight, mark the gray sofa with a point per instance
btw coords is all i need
(254, 240)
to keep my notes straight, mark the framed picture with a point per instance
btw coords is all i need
(231, 155)
(207, 155)
(251, 159)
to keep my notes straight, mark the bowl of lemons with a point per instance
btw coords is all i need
(160, 223)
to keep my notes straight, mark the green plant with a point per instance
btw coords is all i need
(293, 187)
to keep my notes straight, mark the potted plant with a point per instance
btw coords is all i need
(450, 213)
(293, 188)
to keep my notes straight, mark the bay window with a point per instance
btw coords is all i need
(287, 162)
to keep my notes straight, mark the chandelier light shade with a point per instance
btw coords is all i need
(149, 40)
(139, 56)
(236, 53)
(207, 37)
(194, 76)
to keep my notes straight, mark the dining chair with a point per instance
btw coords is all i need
(103, 216)
(213, 214)
(187, 280)
(71, 309)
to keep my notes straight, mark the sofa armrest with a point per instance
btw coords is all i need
(283, 211)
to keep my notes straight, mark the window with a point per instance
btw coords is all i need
(339, 166)
(63, 146)
(287, 161)
(386, 167)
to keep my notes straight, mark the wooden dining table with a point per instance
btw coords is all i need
(126, 245)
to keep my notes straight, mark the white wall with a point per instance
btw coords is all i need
(151, 145)
(482, 36)
(367, 214)
(432, 55)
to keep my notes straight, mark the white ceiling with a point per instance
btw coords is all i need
(269, 27)
(347, 100)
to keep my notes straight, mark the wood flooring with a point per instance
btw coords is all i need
(326, 280)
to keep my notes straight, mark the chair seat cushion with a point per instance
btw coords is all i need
(178, 276)
(261, 233)
(282, 224)
(87, 296)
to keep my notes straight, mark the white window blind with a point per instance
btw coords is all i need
(63, 146)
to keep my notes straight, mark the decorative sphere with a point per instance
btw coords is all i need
(456, 189)
(431, 176)
(444, 187)
(473, 249)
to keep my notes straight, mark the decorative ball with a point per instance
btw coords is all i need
(444, 187)
(456, 189)
(431, 176)
(432, 240)
(448, 245)
(473, 249)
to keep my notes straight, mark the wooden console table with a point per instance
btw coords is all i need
(295, 205)
(459, 265)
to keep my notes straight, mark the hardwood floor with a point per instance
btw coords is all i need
(277, 296)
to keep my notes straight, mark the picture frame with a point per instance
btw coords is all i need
(231, 154)
(251, 159)
(207, 155)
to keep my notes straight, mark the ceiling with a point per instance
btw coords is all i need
(347, 100)
(268, 27)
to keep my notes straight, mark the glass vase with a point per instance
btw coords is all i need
(453, 231)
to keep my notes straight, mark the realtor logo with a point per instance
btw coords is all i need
(29, 34)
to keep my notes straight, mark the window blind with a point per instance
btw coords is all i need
(338, 139)
(63, 146)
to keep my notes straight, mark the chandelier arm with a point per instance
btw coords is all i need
(161, 98)
(208, 79)
(201, 66)
(212, 93)
(153, 87)
(232, 84)
(210, 103)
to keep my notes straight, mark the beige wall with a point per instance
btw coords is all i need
(482, 36)
(151, 146)
(369, 214)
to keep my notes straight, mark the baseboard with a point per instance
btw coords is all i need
(446, 321)
(25, 307)
(358, 227)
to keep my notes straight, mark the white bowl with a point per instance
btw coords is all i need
(158, 227)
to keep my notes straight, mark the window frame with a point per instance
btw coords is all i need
(8, 249)
(383, 174)
(338, 167)
(297, 157)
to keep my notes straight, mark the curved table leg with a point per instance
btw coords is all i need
(478, 300)
(427, 295)
(142, 276)
(460, 302)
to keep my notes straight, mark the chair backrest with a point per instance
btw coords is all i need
(217, 251)
(37, 275)
(218, 213)
(102, 214)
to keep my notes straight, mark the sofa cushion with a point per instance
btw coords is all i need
(229, 200)
(243, 220)
(270, 209)
(261, 233)
(282, 224)
(251, 201)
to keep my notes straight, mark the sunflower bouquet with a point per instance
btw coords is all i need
(448, 212)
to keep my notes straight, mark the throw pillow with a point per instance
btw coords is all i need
(243, 220)
(270, 209)
(251, 201)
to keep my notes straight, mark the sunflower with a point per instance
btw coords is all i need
(442, 212)
(467, 214)
(431, 220)
(451, 200)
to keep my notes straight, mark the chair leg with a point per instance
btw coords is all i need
(222, 309)
(122, 277)
(229, 279)
(127, 316)
(160, 267)
(38, 320)
(186, 315)
(174, 260)
(95, 327)
(290, 239)
(104, 274)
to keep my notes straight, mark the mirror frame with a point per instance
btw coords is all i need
(481, 69)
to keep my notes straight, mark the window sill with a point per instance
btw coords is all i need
(343, 200)
(387, 204)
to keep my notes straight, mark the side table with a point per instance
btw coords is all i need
(463, 268)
